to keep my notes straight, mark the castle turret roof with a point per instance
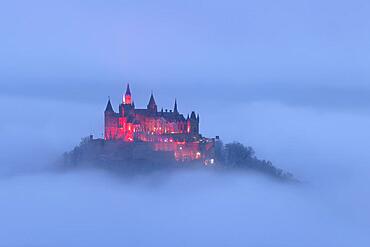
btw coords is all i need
(152, 105)
(128, 91)
(109, 107)
(175, 107)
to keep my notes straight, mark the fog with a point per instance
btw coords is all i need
(185, 210)
(41, 206)
(289, 78)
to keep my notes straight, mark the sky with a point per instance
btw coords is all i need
(289, 78)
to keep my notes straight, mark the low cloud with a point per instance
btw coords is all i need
(185, 209)
(41, 206)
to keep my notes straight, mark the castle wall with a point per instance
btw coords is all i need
(167, 131)
(111, 127)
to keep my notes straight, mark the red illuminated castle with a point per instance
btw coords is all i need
(165, 130)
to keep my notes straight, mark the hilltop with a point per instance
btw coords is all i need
(138, 158)
(145, 139)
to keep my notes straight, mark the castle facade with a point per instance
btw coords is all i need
(165, 130)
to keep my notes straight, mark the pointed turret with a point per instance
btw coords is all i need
(152, 105)
(110, 122)
(128, 92)
(175, 107)
(128, 99)
(109, 107)
(194, 123)
(188, 124)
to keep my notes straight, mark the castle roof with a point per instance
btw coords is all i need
(128, 91)
(172, 116)
(109, 107)
(175, 107)
(143, 112)
(152, 105)
(169, 116)
(152, 101)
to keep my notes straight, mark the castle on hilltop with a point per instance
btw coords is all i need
(166, 130)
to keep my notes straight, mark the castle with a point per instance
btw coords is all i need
(166, 130)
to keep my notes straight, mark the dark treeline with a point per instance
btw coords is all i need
(132, 158)
(237, 156)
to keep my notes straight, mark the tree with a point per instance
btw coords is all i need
(237, 154)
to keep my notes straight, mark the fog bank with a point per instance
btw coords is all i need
(44, 207)
(186, 209)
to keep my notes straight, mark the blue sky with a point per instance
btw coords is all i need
(295, 52)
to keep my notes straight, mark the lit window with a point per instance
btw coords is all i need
(197, 155)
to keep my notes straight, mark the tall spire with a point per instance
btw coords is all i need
(152, 105)
(175, 107)
(109, 107)
(128, 99)
(128, 92)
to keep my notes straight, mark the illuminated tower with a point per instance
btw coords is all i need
(110, 122)
(128, 99)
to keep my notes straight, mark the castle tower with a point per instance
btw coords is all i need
(110, 122)
(152, 106)
(194, 123)
(127, 99)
